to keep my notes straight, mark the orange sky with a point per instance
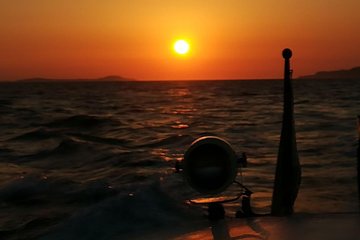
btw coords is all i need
(230, 39)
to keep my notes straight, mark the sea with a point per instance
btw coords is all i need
(95, 160)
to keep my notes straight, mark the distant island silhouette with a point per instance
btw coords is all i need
(353, 73)
(103, 79)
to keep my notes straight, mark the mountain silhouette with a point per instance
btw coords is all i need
(353, 73)
(111, 78)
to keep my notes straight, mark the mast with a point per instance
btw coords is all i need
(358, 158)
(288, 171)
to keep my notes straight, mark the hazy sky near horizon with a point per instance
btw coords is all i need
(133, 38)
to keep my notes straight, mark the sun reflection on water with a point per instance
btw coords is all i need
(166, 155)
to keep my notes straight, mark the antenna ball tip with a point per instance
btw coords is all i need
(287, 53)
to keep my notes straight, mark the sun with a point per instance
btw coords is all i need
(181, 47)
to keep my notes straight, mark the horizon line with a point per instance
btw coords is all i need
(49, 80)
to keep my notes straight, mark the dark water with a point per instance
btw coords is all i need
(95, 160)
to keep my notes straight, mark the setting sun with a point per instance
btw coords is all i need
(181, 47)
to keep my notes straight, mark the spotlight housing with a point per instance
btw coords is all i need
(210, 165)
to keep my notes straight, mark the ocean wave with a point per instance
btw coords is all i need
(5, 102)
(32, 189)
(81, 121)
(92, 138)
(91, 192)
(38, 134)
(29, 229)
(133, 215)
(178, 140)
(142, 163)
(6, 106)
(66, 146)
(68, 153)
(4, 151)
(301, 102)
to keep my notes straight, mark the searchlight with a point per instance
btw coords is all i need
(210, 165)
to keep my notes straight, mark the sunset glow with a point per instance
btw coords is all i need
(229, 39)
